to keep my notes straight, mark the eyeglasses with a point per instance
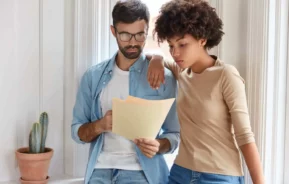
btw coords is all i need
(126, 37)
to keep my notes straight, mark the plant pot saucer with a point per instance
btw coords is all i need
(34, 182)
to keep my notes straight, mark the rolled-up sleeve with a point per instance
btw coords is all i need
(235, 97)
(173, 67)
(171, 127)
(82, 107)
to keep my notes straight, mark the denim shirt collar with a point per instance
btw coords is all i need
(138, 64)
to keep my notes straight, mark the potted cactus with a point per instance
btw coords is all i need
(34, 160)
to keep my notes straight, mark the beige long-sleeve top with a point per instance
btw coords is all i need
(214, 119)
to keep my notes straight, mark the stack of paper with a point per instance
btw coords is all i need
(139, 118)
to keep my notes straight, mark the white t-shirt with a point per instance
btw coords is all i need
(117, 152)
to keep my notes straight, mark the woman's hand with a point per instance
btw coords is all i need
(156, 71)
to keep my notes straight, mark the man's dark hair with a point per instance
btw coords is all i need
(129, 11)
(194, 17)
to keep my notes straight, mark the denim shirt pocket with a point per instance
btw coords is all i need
(153, 94)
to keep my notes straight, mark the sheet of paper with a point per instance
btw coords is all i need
(139, 118)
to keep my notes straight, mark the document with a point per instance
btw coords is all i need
(139, 118)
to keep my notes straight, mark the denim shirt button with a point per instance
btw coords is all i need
(103, 83)
(139, 71)
(110, 72)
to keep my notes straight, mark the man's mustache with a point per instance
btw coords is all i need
(132, 47)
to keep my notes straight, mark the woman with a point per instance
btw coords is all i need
(211, 102)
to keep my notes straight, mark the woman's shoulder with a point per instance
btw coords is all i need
(228, 72)
(225, 68)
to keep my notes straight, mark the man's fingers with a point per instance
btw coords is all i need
(151, 142)
(148, 155)
(147, 152)
(148, 148)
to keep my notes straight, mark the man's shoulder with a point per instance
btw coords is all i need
(95, 72)
(169, 75)
(98, 67)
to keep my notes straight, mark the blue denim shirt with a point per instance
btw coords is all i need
(88, 109)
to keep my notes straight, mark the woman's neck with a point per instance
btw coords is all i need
(205, 61)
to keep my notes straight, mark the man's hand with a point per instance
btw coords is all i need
(90, 131)
(149, 147)
(106, 122)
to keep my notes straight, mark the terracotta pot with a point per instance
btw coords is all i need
(34, 182)
(33, 167)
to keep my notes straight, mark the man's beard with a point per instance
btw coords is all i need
(131, 55)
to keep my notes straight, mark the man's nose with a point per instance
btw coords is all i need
(133, 41)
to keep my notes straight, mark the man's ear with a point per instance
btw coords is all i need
(112, 29)
(202, 42)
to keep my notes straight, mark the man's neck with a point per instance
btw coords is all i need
(124, 63)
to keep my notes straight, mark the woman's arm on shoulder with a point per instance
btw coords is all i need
(156, 70)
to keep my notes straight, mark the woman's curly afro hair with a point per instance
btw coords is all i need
(194, 17)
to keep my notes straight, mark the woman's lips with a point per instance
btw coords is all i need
(179, 61)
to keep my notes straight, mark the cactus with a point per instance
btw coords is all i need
(44, 125)
(37, 136)
(30, 142)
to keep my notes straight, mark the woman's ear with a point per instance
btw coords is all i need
(202, 42)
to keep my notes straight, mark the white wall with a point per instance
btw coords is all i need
(86, 43)
(69, 85)
(31, 77)
(232, 49)
(234, 44)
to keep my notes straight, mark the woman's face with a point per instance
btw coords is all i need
(186, 50)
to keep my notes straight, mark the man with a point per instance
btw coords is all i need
(114, 159)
